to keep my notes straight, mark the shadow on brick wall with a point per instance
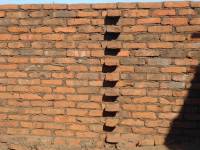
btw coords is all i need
(184, 132)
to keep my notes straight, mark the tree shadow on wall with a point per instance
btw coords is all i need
(184, 132)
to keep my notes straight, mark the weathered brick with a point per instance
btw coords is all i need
(132, 122)
(27, 22)
(172, 85)
(30, 6)
(2, 13)
(136, 13)
(147, 53)
(148, 69)
(195, 21)
(113, 138)
(65, 45)
(158, 77)
(65, 29)
(64, 13)
(18, 45)
(76, 112)
(160, 45)
(133, 92)
(41, 30)
(159, 61)
(146, 37)
(12, 7)
(173, 69)
(128, 61)
(150, 5)
(171, 37)
(131, 107)
(164, 12)
(149, 21)
(41, 132)
(54, 6)
(64, 90)
(176, 4)
(30, 37)
(137, 28)
(111, 122)
(134, 45)
(41, 45)
(144, 115)
(78, 21)
(126, 5)
(78, 6)
(186, 61)
(160, 29)
(40, 13)
(54, 21)
(88, 13)
(90, 29)
(87, 90)
(18, 29)
(17, 14)
(195, 4)
(186, 12)
(175, 21)
(104, 6)
(5, 37)
(187, 28)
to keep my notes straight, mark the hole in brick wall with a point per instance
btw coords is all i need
(108, 36)
(111, 144)
(111, 51)
(108, 69)
(195, 36)
(108, 129)
(111, 20)
(109, 98)
(109, 113)
(109, 83)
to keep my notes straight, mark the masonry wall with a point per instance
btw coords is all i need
(100, 76)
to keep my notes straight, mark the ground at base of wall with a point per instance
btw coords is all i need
(4, 146)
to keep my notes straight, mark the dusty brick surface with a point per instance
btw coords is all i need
(95, 76)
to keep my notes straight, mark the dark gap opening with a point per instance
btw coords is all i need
(111, 51)
(109, 113)
(195, 35)
(111, 143)
(108, 69)
(109, 98)
(109, 83)
(108, 36)
(108, 129)
(111, 20)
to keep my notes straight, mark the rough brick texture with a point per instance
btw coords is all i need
(97, 76)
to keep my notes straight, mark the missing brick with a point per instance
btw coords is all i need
(108, 129)
(111, 51)
(109, 36)
(109, 98)
(195, 36)
(109, 113)
(111, 20)
(108, 69)
(109, 83)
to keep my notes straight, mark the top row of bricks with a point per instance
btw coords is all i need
(103, 5)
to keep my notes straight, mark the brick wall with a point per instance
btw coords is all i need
(104, 76)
